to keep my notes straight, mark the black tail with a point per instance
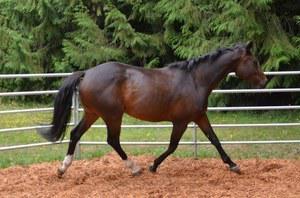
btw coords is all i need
(62, 109)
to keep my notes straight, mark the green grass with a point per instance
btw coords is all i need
(57, 152)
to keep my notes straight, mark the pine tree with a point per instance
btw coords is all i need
(87, 45)
(67, 35)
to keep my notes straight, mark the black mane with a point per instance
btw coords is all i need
(190, 64)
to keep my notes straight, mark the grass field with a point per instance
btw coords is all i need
(57, 152)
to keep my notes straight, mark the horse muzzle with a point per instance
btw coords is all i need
(261, 83)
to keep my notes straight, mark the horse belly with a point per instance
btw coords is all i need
(146, 105)
(147, 110)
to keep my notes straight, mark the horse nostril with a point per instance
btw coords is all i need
(265, 80)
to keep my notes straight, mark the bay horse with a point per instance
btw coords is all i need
(177, 93)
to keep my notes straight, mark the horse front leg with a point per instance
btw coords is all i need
(205, 126)
(177, 132)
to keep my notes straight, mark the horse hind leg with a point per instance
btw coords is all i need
(85, 123)
(113, 139)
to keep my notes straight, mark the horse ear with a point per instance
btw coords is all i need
(249, 45)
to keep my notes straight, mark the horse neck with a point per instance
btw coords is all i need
(211, 74)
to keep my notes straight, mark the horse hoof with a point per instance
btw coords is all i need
(152, 169)
(137, 172)
(60, 173)
(236, 169)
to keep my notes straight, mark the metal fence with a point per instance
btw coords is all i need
(194, 142)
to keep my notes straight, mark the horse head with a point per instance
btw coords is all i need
(248, 67)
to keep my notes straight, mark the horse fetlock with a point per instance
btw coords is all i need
(68, 161)
(65, 165)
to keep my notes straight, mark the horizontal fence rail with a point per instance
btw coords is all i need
(43, 75)
(275, 73)
(236, 91)
(145, 143)
(7, 76)
(28, 93)
(232, 91)
(244, 108)
(30, 128)
(22, 146)
(194, 142)
(27, 110)
(252, 108)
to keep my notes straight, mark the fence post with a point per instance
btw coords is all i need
(195, 141)
(76, 119)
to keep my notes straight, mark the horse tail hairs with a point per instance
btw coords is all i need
(62, 109)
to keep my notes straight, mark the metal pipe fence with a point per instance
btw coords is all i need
(76, 110)
(227, 91)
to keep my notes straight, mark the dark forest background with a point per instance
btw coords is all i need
(42, 36)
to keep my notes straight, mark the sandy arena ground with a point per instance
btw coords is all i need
(177, 177)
